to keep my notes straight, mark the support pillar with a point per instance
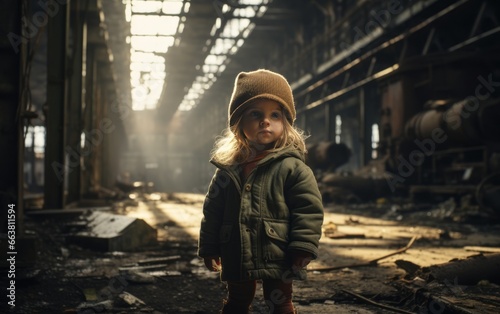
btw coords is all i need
(74, 116)
(13, 56)
(56, 170)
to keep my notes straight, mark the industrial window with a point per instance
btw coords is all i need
(35, 139)
(153, 27)
(375, 140)
(157, 25)
(338, 128)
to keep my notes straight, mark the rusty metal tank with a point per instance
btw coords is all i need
(467, 122)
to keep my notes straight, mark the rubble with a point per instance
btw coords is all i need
(110, 232)
(470, 270)
(380, 270)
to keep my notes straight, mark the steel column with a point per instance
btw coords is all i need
(12, 54)
(55, 167)
(74, 116)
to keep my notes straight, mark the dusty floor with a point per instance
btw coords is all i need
(66, 278)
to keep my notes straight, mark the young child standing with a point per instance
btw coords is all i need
(263, 213)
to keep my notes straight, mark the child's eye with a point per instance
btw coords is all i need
(276, 115)
(254, 114)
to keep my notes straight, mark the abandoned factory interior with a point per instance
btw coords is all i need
(110, 112)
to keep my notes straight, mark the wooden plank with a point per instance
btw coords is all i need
(483, 249)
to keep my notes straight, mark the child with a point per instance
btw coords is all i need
(263, 212)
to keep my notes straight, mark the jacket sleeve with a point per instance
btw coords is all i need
(306, 210)
(213, 212)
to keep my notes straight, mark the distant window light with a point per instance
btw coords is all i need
(146, 6)
(234, 27)
(154, 25)
(262, 10)
(180, 29)
(172, 7)
(210, 68)
(139, 93)
(222, 46)
(245, 12)
(28, 140)
(138, 106)
(137, 56)
(152, 43)
(253, 2)
(338, 128)
(39, 139)
(215, 59)
(128, 12)
(82, 140)
(35, 138)
(147, 67)
(375, 140)
(248, 30)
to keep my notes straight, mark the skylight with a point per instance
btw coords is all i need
(155, 27)
(230, 36)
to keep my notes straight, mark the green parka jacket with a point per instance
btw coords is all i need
(253, 225)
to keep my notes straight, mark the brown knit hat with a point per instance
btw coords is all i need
(249, 86)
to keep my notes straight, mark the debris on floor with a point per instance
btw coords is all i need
(110, 232)
(374, 258)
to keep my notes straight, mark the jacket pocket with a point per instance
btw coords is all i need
(225, 233)
(276, 240)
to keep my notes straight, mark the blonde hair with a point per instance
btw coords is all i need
(232, 147)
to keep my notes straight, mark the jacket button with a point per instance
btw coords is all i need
(247, 187)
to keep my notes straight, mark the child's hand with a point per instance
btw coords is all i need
(300, 259)
(212, 263)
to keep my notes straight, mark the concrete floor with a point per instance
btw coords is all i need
(366, 238)
(66, 275)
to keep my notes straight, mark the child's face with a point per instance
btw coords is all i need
(262, 123)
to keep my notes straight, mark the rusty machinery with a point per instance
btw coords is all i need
(443, 148)
(451, 148)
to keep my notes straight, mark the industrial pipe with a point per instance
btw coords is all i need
(465, 122)
(327, 155)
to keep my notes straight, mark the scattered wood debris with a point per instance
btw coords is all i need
(470, 270)
(482, 249)
(373, 262)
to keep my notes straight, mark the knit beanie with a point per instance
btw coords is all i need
(249, 86)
